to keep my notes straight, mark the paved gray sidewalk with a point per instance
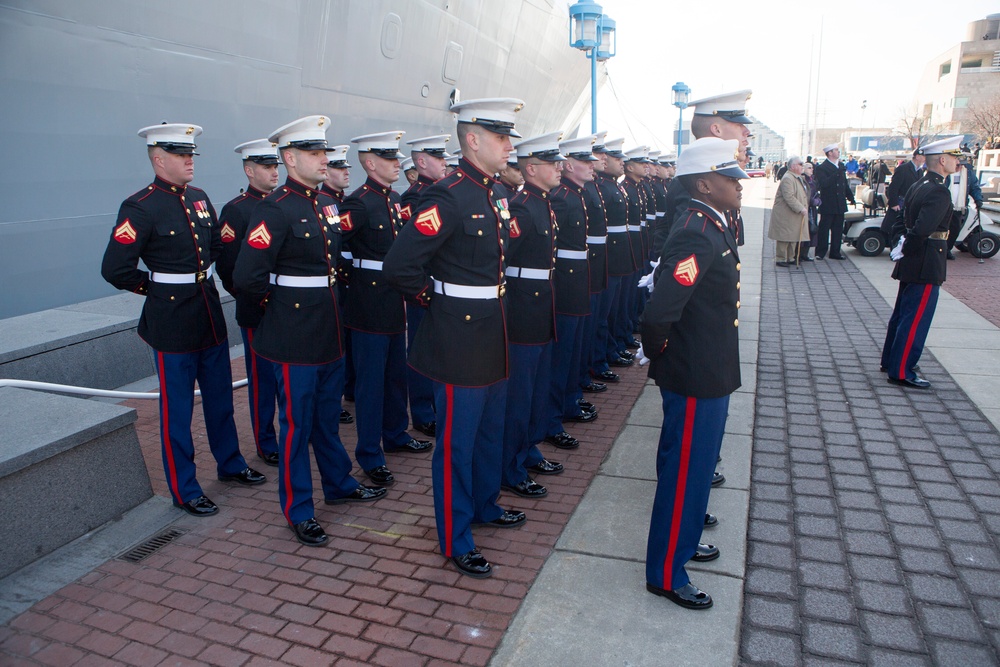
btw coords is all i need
(589, 605)
(875, 511)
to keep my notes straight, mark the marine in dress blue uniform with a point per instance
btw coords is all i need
(511, 177)
(338, 179)
(260, 163)
(723, 116)
(927, 210)
(451, 257)
(690, 333)
(289, 266)
(597, 260)
(172, 227)
(429, 156)
(531, 315)
(572, 285)
(638, 209)
(621, 264)
(369, 221)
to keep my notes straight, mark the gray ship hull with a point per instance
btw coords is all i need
(81, 76)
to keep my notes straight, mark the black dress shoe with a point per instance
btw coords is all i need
(381, 475)
(620, 362)
(563, 440)
(595, 387)
(837, 257)
(711, 521)
(200, 506)
(362, 494)
(626, 355)
(688, 596)
(631, 343)
(246, 477)
(270, 459)
(705, 553)
(782, 263)
(546, 467)
(805, 259)
(585, 405)
(414, 446)
(606, 376)
(584, 409)
(820, 257)
(507, 520)
(309, 533)
(346, 417)
(950, 255)
(582, 418)
(529, 488)
(718, 479)
(917, 382)
(430, 428)
(473, 564)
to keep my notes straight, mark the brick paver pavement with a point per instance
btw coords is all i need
(875, 511)
(976, 285)
(237, 589)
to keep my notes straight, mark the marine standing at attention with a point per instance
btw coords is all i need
(289, 266)
(690, 333)
(451, 258)
(921, 270)
(369, 221)
(260, 164)
(171, 226)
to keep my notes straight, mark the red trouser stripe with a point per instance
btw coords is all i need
(289, 438)
(913, 329)
(682, 473)
(256, 392)
(168, 446)
(449, 392)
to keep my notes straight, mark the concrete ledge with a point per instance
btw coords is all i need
(67, 466)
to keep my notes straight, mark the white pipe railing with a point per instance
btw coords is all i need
(89, 391)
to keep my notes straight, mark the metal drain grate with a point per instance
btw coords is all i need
(151, 546)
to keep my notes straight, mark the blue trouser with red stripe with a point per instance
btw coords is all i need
(466, 462)
(685, 459)
(602, 328)
(565, 371)
(379, 395)
(177, 373)
(587, 342)
(262, 392)
(527, 404)
(908, 327)
(621, 323)
(309, 411)
(420, 388)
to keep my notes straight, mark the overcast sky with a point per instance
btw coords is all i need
(874, 51)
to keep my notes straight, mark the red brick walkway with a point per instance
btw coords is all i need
(237, 589)
(976, 285)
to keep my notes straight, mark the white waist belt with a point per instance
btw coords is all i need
(618, 229)
(302, 281)
(650, 216)
(367, 264)
(571, 254)
(181, 278)
(346, 255)
(534, 274)
(642, 224)
(468, 291)
(597, 240)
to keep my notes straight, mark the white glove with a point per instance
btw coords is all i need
(643, 359)
(646, 281)
(897, 253)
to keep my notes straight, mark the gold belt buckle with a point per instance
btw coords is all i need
(199, 276)
(333, 279)
(503, 289)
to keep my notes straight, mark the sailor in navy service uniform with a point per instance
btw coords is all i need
(690, 333)
(172, 227)
(288, 264)
(451, 257)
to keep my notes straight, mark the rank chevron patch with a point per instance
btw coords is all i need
(429, 222)
(346, 224)
(228, 233)
(259, 237)
(686, 271)
(515, 229)
(125, 233)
